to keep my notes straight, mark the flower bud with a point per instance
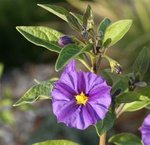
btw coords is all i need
(64, 40)
(118, 69)
(114, 65)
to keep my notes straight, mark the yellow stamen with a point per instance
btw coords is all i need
(81, 99)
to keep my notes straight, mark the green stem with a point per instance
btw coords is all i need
(94, 65)
(98, 62)
(97, 131)
(85, 64)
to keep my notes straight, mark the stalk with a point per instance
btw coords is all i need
(102, 139)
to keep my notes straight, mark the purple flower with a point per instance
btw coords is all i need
(145, 130)
(64, 40)
(80, 99)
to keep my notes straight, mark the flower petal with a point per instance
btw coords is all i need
(102, 92)
(62, 92)
(99, 110)
(81, 82)
(80, 119)
(71, 66)
(85, 118)
(146, 139)
(69, 76)
(70, 79)
(62, 109)
(145, 130)
(87, 80)
(69, 113)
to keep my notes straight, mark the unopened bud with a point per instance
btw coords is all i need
(115, 67)
(64, 40)
(118, 69)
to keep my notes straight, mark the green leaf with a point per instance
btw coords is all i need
(138, 95)
(39, 91)
(141, 63)
(148, 106)
(140, 84)
(78, 17)
(56, 10)
(129, 97)
(111, 77)
(103, 25)
(41, 36)
(116, 31)
(125, 139)
(87, 48)
(73, 22)
(106, 73)
(63, 14)
(121, 83)
(107, 43)
(145, 91)
(66, 54)
(134, 106)
(88, 21)
(56, 142)
(107, 123)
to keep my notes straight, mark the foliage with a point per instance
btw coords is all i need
(134, 92)
(124, 139)
(138, 36)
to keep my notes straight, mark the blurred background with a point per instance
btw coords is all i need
(21, 62)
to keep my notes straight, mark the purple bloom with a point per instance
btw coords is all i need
(64, 40)
(80, 99)
(145, 130)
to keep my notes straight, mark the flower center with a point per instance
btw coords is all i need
(81, 99)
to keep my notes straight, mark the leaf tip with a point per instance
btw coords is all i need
(39, 5)
(15, 105)
(130, 21)
(17, 28)
(42, 5)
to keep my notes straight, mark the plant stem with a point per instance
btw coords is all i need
(95, 68)
(98, 62)
(85, 64)
(102, 139)
(119, 110)
(94, 65)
